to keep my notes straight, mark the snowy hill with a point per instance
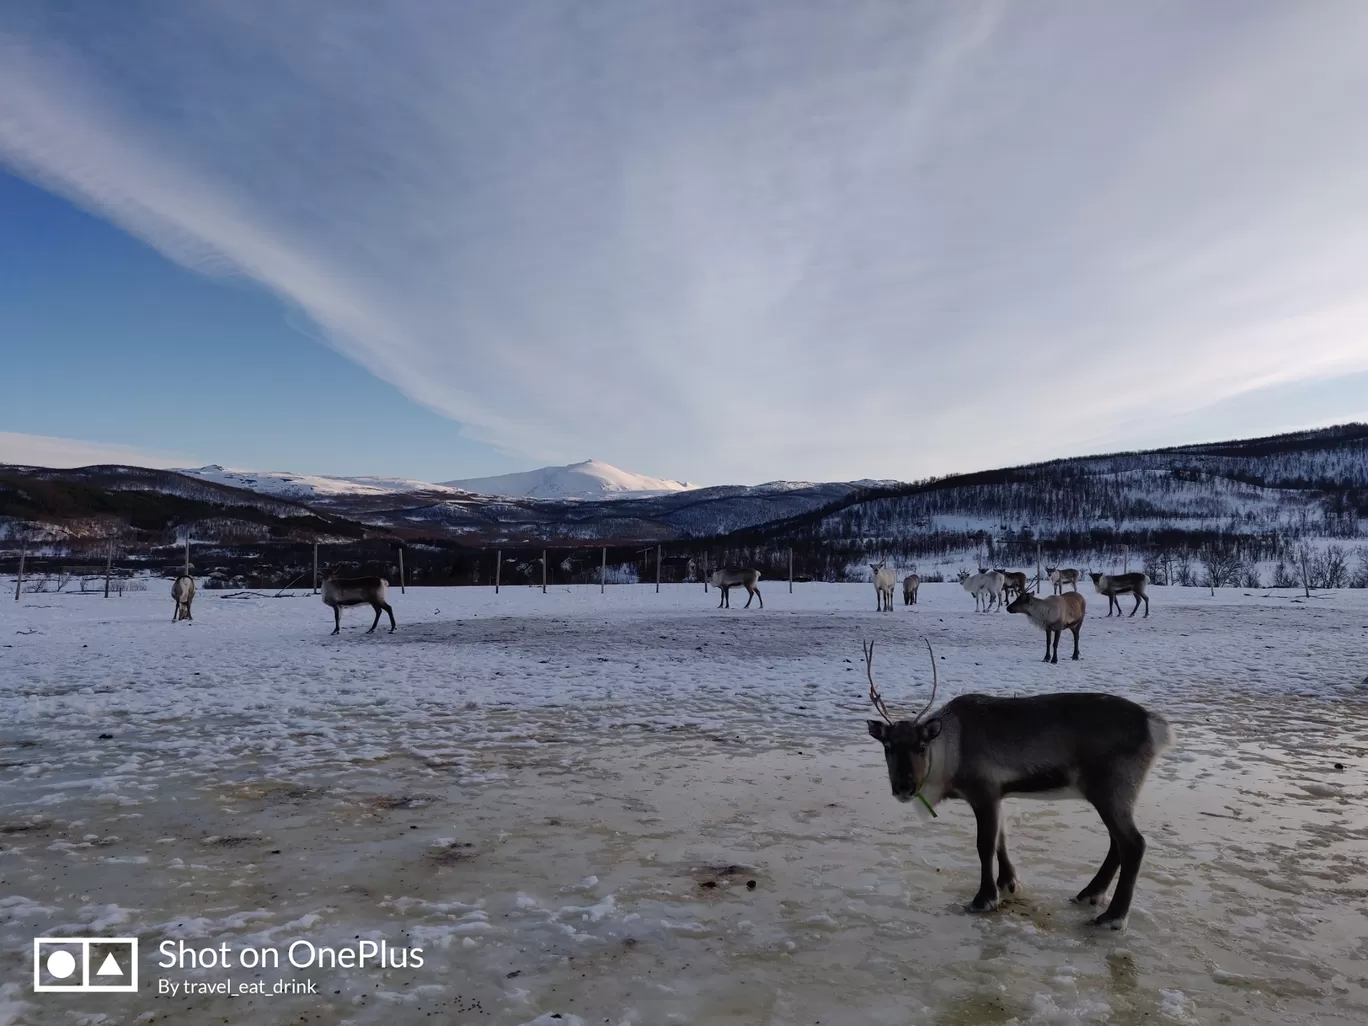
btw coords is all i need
(588, 480)
(310, 486)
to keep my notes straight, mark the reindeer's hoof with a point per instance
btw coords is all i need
(1075, 657)
(1084, 898)
(982, 904)
(1008, 884)
(1114, 922)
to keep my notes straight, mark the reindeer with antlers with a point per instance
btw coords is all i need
(981, 749)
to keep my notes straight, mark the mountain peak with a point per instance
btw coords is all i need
(588, 479)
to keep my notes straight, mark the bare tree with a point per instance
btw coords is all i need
(1222, 566)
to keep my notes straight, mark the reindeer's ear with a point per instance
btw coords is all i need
(929, 731)
(878, 730)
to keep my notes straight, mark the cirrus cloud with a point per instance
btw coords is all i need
(743, 240)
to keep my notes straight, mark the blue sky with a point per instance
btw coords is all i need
(720, 241)
(106, 337)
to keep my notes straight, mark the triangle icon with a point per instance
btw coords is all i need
(109, 967)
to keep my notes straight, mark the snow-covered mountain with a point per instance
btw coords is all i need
(591, 479)
(310, 486)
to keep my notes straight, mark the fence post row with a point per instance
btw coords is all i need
(603, 571)
(498, 568)
(543, 571)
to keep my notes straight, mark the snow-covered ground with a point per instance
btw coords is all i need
(563, 800)
(287, 485)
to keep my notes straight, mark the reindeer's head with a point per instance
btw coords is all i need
(876, 567)
(1022, 603)
(1051, 569)
(1095, 577)
(907, 743)
(907, 750)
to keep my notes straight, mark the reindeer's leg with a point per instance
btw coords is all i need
(191, 616)
(1075, 634)
(1130, 846)
(988, 813)
(376, 607)
(1047, 646)
(386, 608)
(1098, 885)
(1137, 605)
(750, 596)
(337, 619)
(1054, 656)
(1006, 878)
(760, 597)
(176, 615)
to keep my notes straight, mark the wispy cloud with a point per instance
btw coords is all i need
(732, 241)
(46, 451)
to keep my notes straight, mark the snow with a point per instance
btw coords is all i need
(563, 799)
(590, 479)
(310, 486)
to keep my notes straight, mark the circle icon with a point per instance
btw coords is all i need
(61, 964)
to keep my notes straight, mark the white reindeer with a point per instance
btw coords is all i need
(986, 587)
(183, 591)
(884, 583)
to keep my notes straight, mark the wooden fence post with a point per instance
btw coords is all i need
(498, 568)
(543, 571)
(401, 570)
(657, 569)
(1125, 559)
(19, 584)
(790, 569)
(315, 583)
(603, 571)
(1039, 564)
(109, 562)
(187, 552)
(705, 573)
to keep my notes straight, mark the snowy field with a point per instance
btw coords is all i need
(636, 808)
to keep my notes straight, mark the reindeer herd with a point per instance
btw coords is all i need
(1010, 589)
(976, 748)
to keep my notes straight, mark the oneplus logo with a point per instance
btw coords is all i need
(85, 965)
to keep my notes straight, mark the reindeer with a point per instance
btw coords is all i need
(986, 587)
(1059, 578)
(910, 585)
(1053, 615)
(183, 591)
(1013, 583)
(981, 749)
(356, 591)
(1112, 585)
(729, 577)
(884, 582)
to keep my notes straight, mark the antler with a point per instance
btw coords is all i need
(935, 682)
(874, 695)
